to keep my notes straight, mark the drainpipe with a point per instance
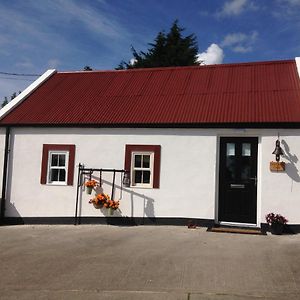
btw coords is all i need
(4, 175)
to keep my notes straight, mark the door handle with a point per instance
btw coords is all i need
(255, 179)
(237, 186)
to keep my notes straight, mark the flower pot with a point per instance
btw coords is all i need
(277, 228)
(97, 206)
(89, 190)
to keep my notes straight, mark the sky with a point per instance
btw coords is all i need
(69, 34)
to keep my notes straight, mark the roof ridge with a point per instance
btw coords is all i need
(268, 62)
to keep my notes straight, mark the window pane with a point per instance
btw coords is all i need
(138, 176)
(146, 161)
(62, 175)
(146, 176)
(54, 160)
(138, 161)
(62, 160)
(54, 175)
(246, 149)
(230, 149)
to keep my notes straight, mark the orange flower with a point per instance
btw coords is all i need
(106, 201)
(91, 183)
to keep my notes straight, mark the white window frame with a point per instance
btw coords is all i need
(133, 168)
(50, 153)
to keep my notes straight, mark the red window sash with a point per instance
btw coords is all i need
(45, 157)
(145, 148)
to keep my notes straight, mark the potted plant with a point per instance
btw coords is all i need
(276, 222)
(112, 205)
(103, 200)
(99, 200)
(90, 184)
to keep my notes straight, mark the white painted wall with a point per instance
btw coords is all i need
(189, 168)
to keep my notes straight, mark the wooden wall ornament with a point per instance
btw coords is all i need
(277, 166)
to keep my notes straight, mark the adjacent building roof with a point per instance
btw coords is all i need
(229, 94)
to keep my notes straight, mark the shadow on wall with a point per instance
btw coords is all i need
(14, 217)
(148, 203)
(290, 166)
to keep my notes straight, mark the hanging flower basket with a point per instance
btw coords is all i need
(103, 200)
(111, 206)
(89, 190)
(97, 206)
(90, 184)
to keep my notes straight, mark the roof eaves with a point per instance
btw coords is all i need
(28, 91)
(209, 125)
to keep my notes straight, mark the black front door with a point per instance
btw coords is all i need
(238, 179)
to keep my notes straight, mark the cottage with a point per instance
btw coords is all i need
(190, 143)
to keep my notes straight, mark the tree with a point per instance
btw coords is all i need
(171, 49)
(5, 101)
(87, 68)
(13, 96)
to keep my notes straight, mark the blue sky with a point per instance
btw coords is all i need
(69, 34)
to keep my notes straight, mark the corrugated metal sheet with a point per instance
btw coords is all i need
(266, 92)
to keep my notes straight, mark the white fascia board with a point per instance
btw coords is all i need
(297, 59)
(28, 91)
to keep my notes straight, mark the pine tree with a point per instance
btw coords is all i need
(87, 68)
(13, 96)
(168, 50)
(5, 101)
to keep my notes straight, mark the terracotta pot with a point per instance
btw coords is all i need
(97, 206)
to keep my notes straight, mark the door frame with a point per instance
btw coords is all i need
(258, 194)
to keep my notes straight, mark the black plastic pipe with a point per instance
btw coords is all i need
(4, 175)
(77, 194)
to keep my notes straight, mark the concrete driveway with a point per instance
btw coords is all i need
(145, 262)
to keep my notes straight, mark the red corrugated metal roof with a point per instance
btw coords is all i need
(265, 92)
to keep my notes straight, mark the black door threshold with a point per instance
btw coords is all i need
(234, 229)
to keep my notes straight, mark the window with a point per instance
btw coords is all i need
(143, 163)
(57, 168)
(58, 164)
(142, 169)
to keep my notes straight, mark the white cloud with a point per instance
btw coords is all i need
(62, 14)
(132, 61)
(213, 55)
(291, 2)
(240, 42)
(37, 35)
(9, 86)
(288, 9)
(235, 8)
(242, 49)
(25, 64)
(53, 63)
(96, 21)
(236, 38)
